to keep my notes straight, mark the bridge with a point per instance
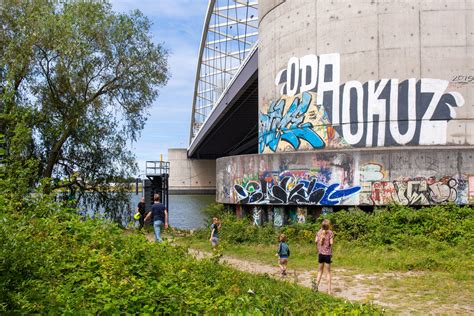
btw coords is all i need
(225, 105)
(309, 105)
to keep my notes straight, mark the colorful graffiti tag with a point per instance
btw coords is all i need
(416, 191)
(379, 113)
(353, 178)
(378, 190)
(288, 124)
(292, 190)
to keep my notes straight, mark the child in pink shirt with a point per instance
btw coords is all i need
(324, 240)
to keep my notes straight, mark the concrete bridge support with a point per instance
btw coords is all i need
(364, 102)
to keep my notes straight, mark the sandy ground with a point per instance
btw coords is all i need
(359, 287)
(376, 288)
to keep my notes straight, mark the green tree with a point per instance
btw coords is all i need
(77, 80)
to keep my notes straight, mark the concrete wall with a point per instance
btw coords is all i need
(353, 177)
(365, 73)
(362, 102)
(189, 175)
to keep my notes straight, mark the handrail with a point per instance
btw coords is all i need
(153, 168)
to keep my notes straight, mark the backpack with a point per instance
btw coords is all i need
(287, 249)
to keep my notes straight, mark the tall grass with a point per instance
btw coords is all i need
(393, 238)
(53, 262)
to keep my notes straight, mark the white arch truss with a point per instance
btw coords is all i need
(230, 31)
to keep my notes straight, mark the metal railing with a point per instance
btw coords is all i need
(154, 168)
(230, 31)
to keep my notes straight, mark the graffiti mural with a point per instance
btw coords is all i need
(278, 217)
(257, 216)
(288, 125)
(293, 123)
(352, 178)
(378, 113)
(294, 190)
(326, 180)
(377, 189)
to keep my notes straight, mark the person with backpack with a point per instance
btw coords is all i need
(283, 253)
(141, 211)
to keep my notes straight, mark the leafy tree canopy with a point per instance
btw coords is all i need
(77, 80)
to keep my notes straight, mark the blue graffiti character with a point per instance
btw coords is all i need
(276, 126)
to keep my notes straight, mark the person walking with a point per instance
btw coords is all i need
(160, 216)
(324, 240)
(141, 209)
(283, 253)
(215, 228)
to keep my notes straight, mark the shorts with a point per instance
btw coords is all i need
(283, 259)
(214, 241)
(324, 258)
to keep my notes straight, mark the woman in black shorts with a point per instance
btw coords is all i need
(324, 240)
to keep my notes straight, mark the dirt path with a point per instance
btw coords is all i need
(388, 290)
(382, 289)
(360, 291)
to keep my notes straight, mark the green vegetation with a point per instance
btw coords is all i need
(396, 238)
(52, 261)
(435, 243)
(76, 83)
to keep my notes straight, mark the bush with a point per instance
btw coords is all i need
(216, 210)
(395, 225)
(52, 262)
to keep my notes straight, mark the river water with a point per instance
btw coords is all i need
(185, 211)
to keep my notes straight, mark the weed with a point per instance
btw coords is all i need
(53, 262)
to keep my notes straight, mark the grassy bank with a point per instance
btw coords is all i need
(52, 262)
(349, 256)
(435, 243)
(439, 238)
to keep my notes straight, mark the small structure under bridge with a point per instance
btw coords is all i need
(157, 173)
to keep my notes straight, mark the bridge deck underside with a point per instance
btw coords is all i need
(232, 128)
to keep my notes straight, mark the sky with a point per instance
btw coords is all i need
(177, 25)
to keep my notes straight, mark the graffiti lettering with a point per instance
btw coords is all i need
(328, 179)
(288, 126)
(294, 191)
(416, 191)
(378, 113)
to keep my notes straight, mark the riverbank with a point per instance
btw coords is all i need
(398, 291)
(418, 262)
(55, 262)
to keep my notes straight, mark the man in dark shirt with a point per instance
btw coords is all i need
(141, 208)
(160, 216)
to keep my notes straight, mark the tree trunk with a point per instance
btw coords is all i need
(54, 154)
